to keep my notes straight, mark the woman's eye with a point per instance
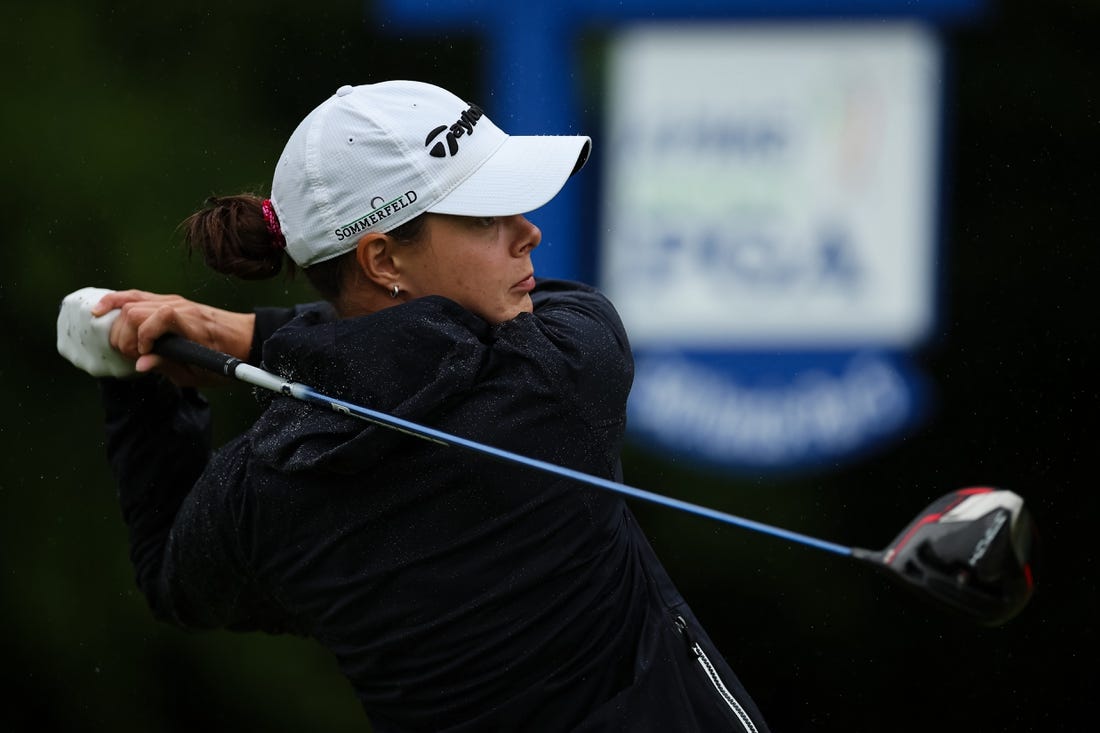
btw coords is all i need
(485, 221)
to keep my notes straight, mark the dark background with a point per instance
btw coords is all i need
(119, 118)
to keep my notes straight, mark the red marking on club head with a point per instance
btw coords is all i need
(959, 496)
(902, 542)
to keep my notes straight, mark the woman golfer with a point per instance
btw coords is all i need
(457, 593)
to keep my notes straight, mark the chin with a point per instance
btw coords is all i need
(507, 313)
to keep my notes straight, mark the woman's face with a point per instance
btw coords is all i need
(483, 264)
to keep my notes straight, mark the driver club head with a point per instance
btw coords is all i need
(973, 550)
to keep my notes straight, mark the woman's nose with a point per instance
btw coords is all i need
(526, 237)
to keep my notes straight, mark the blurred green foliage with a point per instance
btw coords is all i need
(121, 117)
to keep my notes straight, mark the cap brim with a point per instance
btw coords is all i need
(524, 173)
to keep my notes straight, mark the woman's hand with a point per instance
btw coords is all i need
(144, 317)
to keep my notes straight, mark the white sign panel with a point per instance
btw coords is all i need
(772, 185)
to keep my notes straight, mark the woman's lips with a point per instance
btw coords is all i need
(527, 284)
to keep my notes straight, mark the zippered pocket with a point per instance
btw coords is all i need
(713, 676)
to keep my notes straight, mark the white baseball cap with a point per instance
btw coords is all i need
(372, 157)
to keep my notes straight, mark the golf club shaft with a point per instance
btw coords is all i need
(180, 349)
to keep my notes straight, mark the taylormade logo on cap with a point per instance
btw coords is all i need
(373, 157)
(465, 125)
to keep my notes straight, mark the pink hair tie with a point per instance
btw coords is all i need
(273, 224)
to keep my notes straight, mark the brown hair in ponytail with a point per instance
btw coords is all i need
(232, 236)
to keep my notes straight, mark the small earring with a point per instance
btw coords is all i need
(395, 290)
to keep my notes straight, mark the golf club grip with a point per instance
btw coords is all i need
(180, 349)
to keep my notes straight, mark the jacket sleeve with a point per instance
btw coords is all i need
(158, 443)
(184, 528)
(158, 440)
(573, 309)
(577, 337)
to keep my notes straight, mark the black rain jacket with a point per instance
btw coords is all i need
(457, 592)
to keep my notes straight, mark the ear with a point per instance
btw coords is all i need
(374, 253)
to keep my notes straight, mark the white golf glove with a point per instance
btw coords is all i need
(83, 339)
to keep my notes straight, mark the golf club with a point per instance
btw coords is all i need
(971, 551)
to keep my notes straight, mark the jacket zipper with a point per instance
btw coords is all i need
(715, 680)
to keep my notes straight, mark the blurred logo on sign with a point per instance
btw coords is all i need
(769, 233)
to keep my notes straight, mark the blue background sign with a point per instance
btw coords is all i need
(746, 359)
